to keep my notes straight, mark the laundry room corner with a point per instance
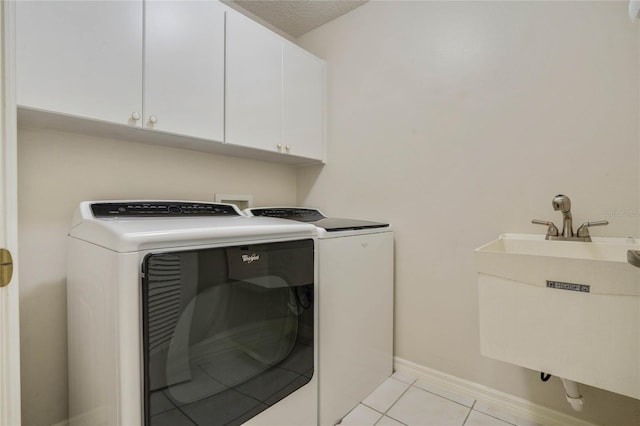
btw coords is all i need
(189, 174)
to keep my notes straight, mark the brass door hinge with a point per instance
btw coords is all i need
(6, 267)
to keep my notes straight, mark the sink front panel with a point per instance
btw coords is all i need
(588, 338)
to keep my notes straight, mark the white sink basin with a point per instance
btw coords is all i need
(571, 309)
(601, 264)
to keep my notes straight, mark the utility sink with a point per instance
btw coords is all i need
(601, 264)
(571, 309)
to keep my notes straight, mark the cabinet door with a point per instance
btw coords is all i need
(80, 58)
(254, 84)
(184, 68)
(302, 108)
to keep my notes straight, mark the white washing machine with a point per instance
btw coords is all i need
(190, 313)
(355, 283)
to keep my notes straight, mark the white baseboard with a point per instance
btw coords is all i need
(526, 412)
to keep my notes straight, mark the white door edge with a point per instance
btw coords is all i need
(10, 412)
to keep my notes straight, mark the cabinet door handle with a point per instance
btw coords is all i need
(279, 146)
(287, 147)
(135, 116)
(153, 119)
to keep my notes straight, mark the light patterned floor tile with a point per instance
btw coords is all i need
(445, 393)
(386, 394)
(361, 416)
(476, 418)
(419, 407)
(388, 421)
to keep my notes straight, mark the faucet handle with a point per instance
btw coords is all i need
(583, 230)
(552, 230)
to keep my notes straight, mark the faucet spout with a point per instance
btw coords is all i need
(567, 224)
(562, 203)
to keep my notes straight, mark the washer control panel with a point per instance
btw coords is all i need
(161, 209)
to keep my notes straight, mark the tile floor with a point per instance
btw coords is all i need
(405, 400)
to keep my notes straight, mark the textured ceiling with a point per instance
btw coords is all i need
(297, 17)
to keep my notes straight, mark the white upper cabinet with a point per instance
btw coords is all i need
(188, 73)
(274, 96)
(302, 101)
(254, 84)
(184, 68)
(80, 58)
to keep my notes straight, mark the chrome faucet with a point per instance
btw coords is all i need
(562, 203)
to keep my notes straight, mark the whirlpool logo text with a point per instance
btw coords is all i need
(250, 258)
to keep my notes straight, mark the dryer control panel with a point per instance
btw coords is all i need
(313, 216)
(161, 209)
(300, 214)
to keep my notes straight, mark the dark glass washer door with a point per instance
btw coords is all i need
(227, 332)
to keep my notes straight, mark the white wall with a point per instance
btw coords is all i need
(458, 121)
(56, 172)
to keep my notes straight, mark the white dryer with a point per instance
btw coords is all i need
(355, 281)
(190, 313)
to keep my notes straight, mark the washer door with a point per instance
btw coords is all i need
(227, 332)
